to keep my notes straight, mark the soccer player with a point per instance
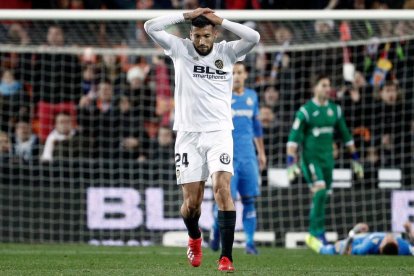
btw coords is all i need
(313, 129)
(247, 133)
(204, 144)
(361, 242)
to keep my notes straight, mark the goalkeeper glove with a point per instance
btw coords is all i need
(293, 169)
(357, 167)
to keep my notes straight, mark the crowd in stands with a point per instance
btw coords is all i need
(61, 105)
(215, 4)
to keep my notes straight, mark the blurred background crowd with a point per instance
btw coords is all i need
(117, 106)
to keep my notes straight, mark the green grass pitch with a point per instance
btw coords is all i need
(21, 259)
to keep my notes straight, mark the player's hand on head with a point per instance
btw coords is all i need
(213, 18)
(197, 12)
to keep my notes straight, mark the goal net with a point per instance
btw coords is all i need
(87, 151)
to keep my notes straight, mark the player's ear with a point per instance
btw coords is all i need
(215, 32)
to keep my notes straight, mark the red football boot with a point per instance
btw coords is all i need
(225, 265)
(194, 253)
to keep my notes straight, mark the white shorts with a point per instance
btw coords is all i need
(200, 154)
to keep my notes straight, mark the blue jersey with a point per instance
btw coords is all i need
(247, 126)
(369, 244)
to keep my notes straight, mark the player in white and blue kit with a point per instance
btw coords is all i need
(248, 138)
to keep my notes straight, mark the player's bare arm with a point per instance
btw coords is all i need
(261, 155)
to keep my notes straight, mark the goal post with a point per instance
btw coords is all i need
(111, 179)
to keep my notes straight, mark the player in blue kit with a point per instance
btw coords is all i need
(248, 138)
(361, 242)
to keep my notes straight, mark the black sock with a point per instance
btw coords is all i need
(192, 226)
(227, 223)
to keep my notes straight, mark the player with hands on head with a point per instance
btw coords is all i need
(203, 121)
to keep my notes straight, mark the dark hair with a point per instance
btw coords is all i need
(105, 80)
(390, 83)
(201, 21)
(317, 78)
(390, 248)
(243, 64)
(62, 113)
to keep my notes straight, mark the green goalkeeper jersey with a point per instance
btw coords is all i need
(314, 127)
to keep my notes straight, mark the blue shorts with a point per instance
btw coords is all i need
(246, 178)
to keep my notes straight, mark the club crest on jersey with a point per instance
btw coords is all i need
(249, 101)
(330, 112)
(225, 158)
(219, 64)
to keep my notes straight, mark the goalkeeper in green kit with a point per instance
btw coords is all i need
(313, 130)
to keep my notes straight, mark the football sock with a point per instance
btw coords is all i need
(249, 219)
(192, 226)
(317, 213)
(227, 223)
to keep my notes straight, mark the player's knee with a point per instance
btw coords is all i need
(222, 193)
(221, 179)
(192, 204)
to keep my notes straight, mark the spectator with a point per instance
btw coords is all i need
(267, 118)
(134, 141)
(110, 68)
(18, 34)
(63, 131)
(12, 99)
(99, 121)
(390, 124)
(9, 86)
(271, 98)
(5, 147)
(164, 149)
(356, 101)
(88, 81)
(143, 99)
(57, 82)
(325, 30)
(25, 143)
(164, 102)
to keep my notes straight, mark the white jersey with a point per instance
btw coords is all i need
(203, 84)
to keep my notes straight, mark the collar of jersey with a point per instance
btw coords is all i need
(318, 104)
